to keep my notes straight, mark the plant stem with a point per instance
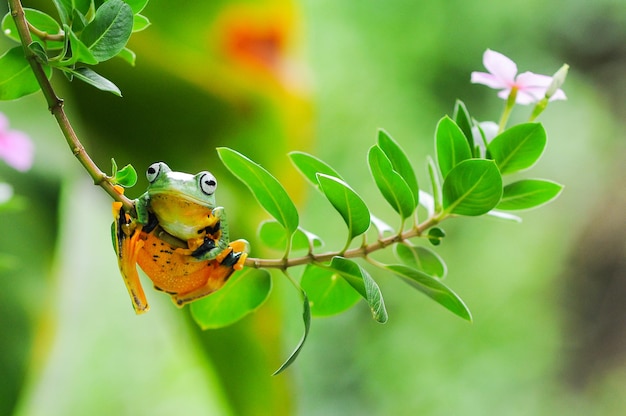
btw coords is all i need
(510, 103)
(55, 105)
(361, 251)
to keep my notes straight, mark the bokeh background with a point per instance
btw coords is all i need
(270, 76)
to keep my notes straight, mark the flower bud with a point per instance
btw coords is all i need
(557, 80)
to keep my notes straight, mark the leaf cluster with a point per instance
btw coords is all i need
(89, 32)
(466, 179)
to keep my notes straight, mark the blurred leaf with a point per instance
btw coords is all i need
(528, 193)
(435, 185)
(16, 77)
(127, 176)
(310, 166)
(94, 79)
(107, 34)
(391, 184)
(140, 23)
(381, 226)
(464, 121)
(265, 187)
(39, 20)
(244, 292)
(399, 161)
(328, 292)
(434, 289)
(422, 259)
(435, 235)
(519, 147)
(137, 5)
(273, 235)
(306, 317)
(451, 145)
(128, 55)
(473, 187)
(361, 280)
(347, 202)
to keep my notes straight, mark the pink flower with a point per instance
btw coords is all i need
(502, 76)
(15, 147)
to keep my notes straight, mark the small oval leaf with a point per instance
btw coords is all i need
(244, 292)
(347, 202)
(363, 283)
(391, 184)
(94, 79)
(107, 34)
(40, 20)
(422, 259)
(528, 193)
(519, 147)
(272, 234)
(473, 187)
(399, 161)
(306, 318)
(266, 189)
(451, 145)
(464, 121)
(329, 293)
(309, 166)
(434, 289)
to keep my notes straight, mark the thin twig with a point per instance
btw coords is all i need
(55, 105)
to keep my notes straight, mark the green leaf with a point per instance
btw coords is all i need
(107, 34)
(399, 161)
(422, 259)
(140, 23)
(361, 280)
(519, 147)
(462, 119)
(273, 235)
(451, 145)
(244, 293)
(265, 187)
(347, 202)
(306, 317)
(39, 20)
(435, 235)
(435, 184)
(128, 55)
(391, 184)
(309, 166)
(329, 293)
(528, 193)
(80, 52)
(127, 176)
(37, 49)
(92, 78)
(434, 289)
(473, 187)
(16, 76)
(137, 5)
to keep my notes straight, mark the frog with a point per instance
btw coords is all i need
(178, 236)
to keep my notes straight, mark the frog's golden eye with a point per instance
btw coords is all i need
(208, 183)
(153, 171)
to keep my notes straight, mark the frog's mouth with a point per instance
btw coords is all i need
(172, 196)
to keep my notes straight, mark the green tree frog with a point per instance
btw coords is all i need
(179, 238)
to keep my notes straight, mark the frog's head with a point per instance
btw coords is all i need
(199, 188)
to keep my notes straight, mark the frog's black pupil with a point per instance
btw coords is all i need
(210, 183)
(151, 171)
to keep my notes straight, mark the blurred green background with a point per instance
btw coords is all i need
(268, 77)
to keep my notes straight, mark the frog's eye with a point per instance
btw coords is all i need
(153, 171)
(208, 183)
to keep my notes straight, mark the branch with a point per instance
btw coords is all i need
(55, 105)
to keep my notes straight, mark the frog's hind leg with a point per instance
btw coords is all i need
(218, 271)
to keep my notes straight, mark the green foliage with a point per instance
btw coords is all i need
(473, 187)
(88, 33)
(518, 148)
(16, 76)
(244, 292)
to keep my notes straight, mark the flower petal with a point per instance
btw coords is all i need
(488, 80)
(558, 95)
(16, 149)
(500, 66)
(531, 80)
